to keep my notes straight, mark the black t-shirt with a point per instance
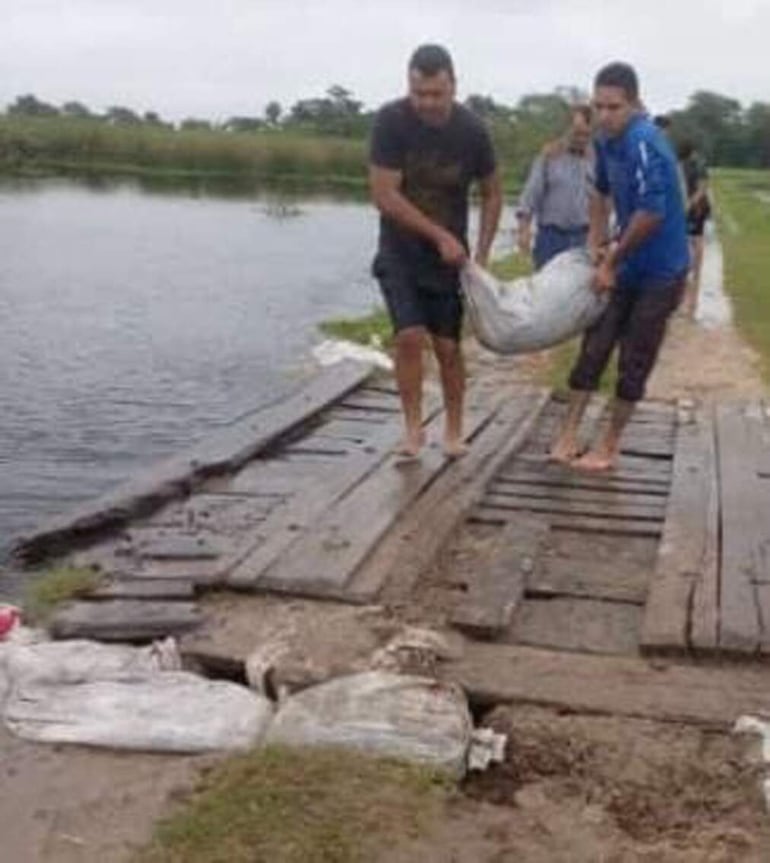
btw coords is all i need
(438, 165)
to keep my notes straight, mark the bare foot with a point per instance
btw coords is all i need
(564, 451)
(455, 448)
(411, 445)
(594, 462)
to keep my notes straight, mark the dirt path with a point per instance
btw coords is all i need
(587, 789)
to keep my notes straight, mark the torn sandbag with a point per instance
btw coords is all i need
(399, 716)
(534, 312)
(172, 711)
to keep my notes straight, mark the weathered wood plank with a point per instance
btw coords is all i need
(497, 582)
(687, 565)
(576, 494)
(485, 514)
(597, 579)
(424, 528)
(571, 481)
(287, 525)
(132, 588)
(124, 620)
(617, 509)
(226, 451)
(745, 504)
(577, 624)
(712, 696)
(322, 562)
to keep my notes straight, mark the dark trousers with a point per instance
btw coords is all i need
(635, 320)
(551, 241)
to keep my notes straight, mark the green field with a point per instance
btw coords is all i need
(743, 218)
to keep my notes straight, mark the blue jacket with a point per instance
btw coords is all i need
(638, 169)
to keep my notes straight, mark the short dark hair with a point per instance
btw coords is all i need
(581, 109)
(429, 60)
(662, 121)
(620, 75)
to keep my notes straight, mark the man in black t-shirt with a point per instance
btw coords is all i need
(426, 151)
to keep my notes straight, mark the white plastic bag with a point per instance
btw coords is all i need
(534, 312)
(165, 712)
(414, 718)
(80, 660)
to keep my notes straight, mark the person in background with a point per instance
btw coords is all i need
(426, 152)
(698, 208)
(643, 269)
(555, 197)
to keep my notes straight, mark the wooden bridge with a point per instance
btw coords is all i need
(669, 553)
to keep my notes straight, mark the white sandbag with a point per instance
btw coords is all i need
(80, 660)
(170, 712)
(535, 312)
(414, 718)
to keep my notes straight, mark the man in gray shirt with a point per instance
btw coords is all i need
(557, 191)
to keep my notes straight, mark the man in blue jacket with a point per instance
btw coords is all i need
(643, 267)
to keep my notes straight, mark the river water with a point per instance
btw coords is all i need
(132, 323)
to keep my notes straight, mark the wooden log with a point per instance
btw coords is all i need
(712, 696)
(124, 620)
(745, 504)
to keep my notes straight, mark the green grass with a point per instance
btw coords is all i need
(373, 329)
(55, 586)
(743, 219)
(299, 806)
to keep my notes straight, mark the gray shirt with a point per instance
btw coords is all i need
(558, 188)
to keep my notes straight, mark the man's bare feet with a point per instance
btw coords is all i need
(564, 451)
(454, 448)
(595, 461)
(411, 445)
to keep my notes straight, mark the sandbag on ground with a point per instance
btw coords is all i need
(535, 312)
(170, 711)
(414, 718)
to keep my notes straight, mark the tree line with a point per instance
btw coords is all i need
(724, 131)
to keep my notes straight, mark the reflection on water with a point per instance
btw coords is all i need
(132, 323)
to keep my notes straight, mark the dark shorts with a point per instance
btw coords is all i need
(635, 320)
(551, 241)
(416, 297)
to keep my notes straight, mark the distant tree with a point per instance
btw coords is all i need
(117, 115)
(336, 113)
(486, 107)
(75, 109)
(758, 134)
(152, 118)
(191, 124)
(244, 124)
(273, 111)
(31, 106)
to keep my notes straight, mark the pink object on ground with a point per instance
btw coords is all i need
(10, 616)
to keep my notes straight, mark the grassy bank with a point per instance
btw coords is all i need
(299, 806)
(743, 219)
(30, 146)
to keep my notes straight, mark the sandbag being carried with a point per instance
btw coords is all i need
(414, 718)
(534, 312)
(171, 711)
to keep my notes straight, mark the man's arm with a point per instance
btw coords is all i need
(599, 209)
(491, 189)
(385, 187)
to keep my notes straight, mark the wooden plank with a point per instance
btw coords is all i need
(483, 514)
(745, 504)
(687, 565)
(287, 526)
(584, 625)
(617, 509)
(156, 545)
(132, 588)
(554, 471)
(425, 527)
(597, 579)
(711, 696)
(322, 562)
(608, 496)
(589, 483)
(124, 620)
(497, 583)
(223, 452)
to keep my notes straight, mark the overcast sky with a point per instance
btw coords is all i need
(218, 58)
